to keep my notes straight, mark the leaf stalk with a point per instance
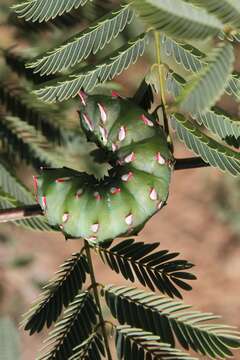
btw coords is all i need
(97, 299)
(161, 81)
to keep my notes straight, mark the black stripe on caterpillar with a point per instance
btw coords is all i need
(137, 185)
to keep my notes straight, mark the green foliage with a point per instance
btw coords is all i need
(73, 328)
(58, 293)
(90, 349)
(90, 76)
(41, 10)
(211, 151)
(183, 20)
(15, 193)
(205, 88)
(187, 56)
(169, 319)
(82, 45)
(212, 75)
(27, 108)
(156, 270)
(228, 11)
(30, 145)
(217, 121)
(133, 343)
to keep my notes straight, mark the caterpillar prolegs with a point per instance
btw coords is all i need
(136, 187)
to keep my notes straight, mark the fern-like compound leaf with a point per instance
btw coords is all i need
(194, 60)
(16, 190)
(17, 63)
(35, 223)
(44, 10)
(233, 87)
(215, 120)
(210, 150)
(171, 320)
(174, 84)
(184, 54)
(184, 21)
(206, 87)
(7, 199)
(219, 123)
(135, 343)
(82, 45)
(90, 349)
(157, 269)
(74, 328)
(91, 76)
(228, 11)
(58, 293)
(10, 184)
(28, 143)
(20, 104)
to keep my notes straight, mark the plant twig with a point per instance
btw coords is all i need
(161, 82)
(20, 213)
(189, 163)
(96, 296)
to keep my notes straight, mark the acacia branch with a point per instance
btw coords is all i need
(20, 213)
(190, 163)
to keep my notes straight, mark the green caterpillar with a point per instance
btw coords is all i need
(136, 187)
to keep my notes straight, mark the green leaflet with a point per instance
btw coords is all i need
(31, 145)
(136, 187)
(16, 193)
(36, 147)
(228, 11)
(184, 21)
(91, 76)
(134, 343)
(90, 349)
(233, 87)
(35, 113)
(206, 87)
(153, 269)
(191, 59)
(210, 150)
(215, 119)
(10, 184)
(219, 123)
(6, 199)
(58, 293)
(72, 329)
(44, 10)
(184, 54)
(83, 44)
(171, 320)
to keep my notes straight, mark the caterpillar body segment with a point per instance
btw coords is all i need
(135, 189)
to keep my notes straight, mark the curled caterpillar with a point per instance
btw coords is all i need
(136, 187)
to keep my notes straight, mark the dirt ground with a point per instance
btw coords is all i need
(187, 225)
